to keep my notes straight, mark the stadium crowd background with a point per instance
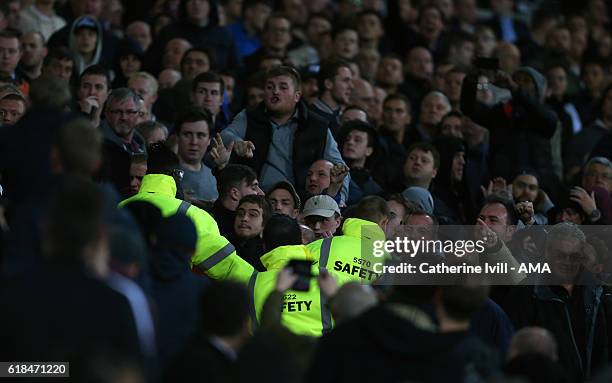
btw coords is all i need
(162, 162)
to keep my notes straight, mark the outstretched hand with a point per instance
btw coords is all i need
(219, 153)
(484, 233)
(497, 186)
(244, 149)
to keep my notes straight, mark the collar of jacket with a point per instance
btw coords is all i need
(278, 258)
(356, 227)
(158, 184)
(109, 134)
(593, 289)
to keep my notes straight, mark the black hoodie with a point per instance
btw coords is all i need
(399, 342)
(176, 292)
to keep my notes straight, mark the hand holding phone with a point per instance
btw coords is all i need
(302, 270)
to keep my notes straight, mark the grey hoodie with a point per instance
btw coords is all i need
(72, 43)
(538, 79)
(421, 197)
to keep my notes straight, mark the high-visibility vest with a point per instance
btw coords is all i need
(351, 257)
(214, 255)
(303, 312)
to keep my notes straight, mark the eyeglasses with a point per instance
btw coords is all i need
(127, 113)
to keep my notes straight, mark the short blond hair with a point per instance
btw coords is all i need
(147, 76)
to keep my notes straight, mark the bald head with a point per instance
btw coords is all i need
(419, 63)
(173, 53)
(351, 300)
(509, 57)
(362, 95)
(533, 340)
(434, 107)
(140, 32)
(167, 78)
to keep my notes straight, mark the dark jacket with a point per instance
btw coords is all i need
(332, 118)
(73, 313)
(520, 131)
(272, 341)
(455, 204)
(492, 325)
(584, 142)
(567, 126)
(213, 36)
(399, 343)
(578, 322)
(251, 251)
(137, 145)
(390, 178)
(25, 165)
(362, 185)
(201, 360)
(395, 26)
(603, 148)
(308, 144)
(110, 44)
(587, 106)
(520, 28)
(415, 89)
(116, 158)
(225, 219)
(176, 292)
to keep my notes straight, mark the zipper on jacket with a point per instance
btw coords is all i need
(569, 324)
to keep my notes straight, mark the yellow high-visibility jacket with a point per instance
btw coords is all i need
(350, 257)
(303, 312)
(215, 255)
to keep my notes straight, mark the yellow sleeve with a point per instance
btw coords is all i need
(215, 255)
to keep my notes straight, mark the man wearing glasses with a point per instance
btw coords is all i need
(121, 118)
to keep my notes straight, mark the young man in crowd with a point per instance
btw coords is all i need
(251, 216)
(322, 214)
(207, 91)
(233, 183)
(192, 130)
(284, 199)
(300, 137)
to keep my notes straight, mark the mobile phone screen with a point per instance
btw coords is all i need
(302, 270)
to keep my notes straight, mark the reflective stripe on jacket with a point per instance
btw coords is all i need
(303, 312)
(214, 255)
(350, 257)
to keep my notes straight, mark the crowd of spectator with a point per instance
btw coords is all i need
(189, 189)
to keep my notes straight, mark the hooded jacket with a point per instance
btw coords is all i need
(453, 202)
(72, 44)
(176, 292)
(214, 255)
(304, 312)
(521, 129)
(109, 43)
(350, 257)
